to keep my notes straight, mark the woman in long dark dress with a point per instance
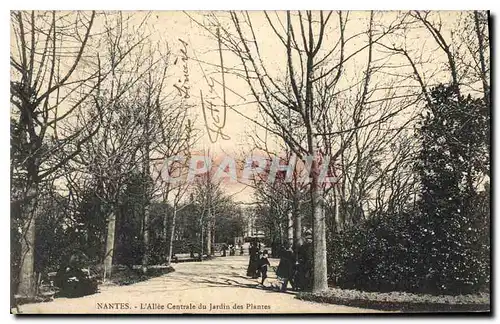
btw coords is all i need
(302, 276)
(253, 260)
(286, 266)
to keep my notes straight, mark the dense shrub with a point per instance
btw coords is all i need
(374, 256)
(400, 253)
(443, 245)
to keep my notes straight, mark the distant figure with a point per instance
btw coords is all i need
(174, 258)
(241, 249)
(191, 250)
(263, 265)
(231, 250)
(224, 248)
(286, 267)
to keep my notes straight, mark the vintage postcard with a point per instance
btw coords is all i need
(249, 162)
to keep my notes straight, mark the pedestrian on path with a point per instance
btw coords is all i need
(263, 266)
(253, 260)
(286, 266)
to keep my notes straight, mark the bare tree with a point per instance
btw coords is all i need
(50, 81)
(461, 52)
(306, 93)
(207, 194)
(177, 139)
(127, 105)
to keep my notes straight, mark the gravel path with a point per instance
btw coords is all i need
(215, 286)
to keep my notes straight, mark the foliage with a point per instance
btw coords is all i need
(229, 224)
(453, 160)
(388, 254)
(374, 256)
(441, 246)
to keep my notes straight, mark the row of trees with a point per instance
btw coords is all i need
(94, 116)
(320, 102)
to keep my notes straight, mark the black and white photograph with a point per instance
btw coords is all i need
(250, 162)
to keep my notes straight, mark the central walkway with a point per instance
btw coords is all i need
(214, 286)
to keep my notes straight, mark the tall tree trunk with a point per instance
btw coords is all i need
(26, 276)
(165, 238)
(170, 245)
(289, 231)
(26, 285)
(297, 226)
(213, 235)
(209, 232)
(164, 232)
(201, 243)
(147, 175)
(320, 275)
(110, 245)
(145, 239)
(201, 235)
(337, 220)
(480, 40)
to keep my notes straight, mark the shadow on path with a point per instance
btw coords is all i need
(228, 282)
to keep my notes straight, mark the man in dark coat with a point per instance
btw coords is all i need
(286, 266)
(303, 265)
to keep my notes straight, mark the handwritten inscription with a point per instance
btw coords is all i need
(215, 119)
(182, 85)
(215, 116)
